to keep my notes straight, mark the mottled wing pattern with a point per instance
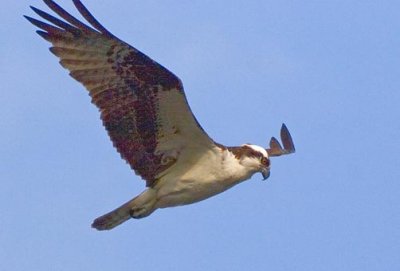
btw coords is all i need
(142, 104)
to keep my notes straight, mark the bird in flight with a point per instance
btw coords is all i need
(145, 112)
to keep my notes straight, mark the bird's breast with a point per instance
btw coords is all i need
(187, 191)
(205, 179)
(194, 187)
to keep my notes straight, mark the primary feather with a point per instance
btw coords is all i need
(142, 104)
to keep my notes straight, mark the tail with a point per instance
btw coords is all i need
(138, 207)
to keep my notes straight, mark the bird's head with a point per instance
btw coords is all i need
(257, 159)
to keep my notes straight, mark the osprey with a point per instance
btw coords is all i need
(145, 112)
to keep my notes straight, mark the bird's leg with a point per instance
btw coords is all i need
(139, 212)
(143, 205)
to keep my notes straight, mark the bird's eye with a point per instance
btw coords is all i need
(265, 161)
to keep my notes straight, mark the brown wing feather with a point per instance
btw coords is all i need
(127, 87)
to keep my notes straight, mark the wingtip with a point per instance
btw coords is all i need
(53, 50)
(30, 19)
(51, 4)
(84, 11)
(39, 12)
(78, 3)
(34, 21)
(34, 9)
(274, 143)
(284, 127)
(47, 2)
(287, 140)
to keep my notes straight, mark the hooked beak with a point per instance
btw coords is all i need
(265, 173)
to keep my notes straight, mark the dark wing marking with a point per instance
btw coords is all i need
(142, 104)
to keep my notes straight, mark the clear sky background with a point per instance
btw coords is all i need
(328, 69)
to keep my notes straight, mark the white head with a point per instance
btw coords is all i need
(255, 158)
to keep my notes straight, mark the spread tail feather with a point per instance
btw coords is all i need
(138, 207)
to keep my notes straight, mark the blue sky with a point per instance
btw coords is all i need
(328, 69)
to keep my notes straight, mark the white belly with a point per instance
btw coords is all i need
(192, 181)
(184, 192)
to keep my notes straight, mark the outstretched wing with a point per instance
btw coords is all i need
(142, 104)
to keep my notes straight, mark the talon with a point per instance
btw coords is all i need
(132, 213)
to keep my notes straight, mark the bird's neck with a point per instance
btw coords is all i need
(232, 166)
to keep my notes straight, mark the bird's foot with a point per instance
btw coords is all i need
(139, 212)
